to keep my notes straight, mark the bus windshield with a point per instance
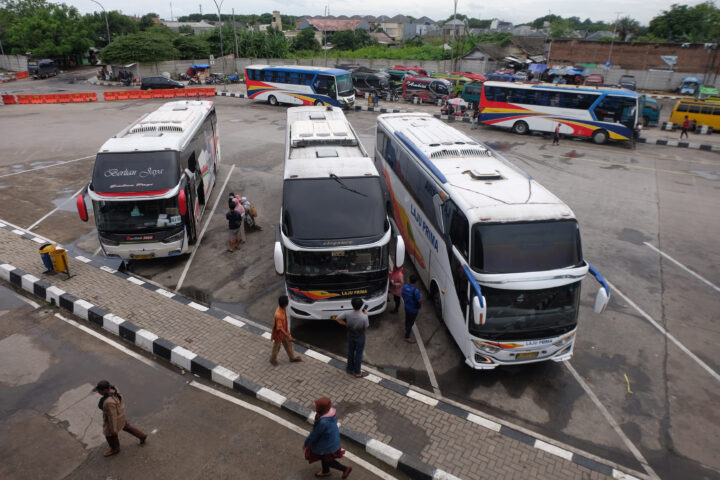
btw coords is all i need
(344, 85)
(528, 314)
(525, 247)
(135, 172)
(135, 216)
(336, 262)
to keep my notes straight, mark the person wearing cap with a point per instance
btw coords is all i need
(113, 407)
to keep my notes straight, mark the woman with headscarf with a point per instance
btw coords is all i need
(323, 442)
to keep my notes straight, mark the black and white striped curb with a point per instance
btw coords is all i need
(204, 368)
(677, 143)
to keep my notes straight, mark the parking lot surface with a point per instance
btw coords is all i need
(648, 220)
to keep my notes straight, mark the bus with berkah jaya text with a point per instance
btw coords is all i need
(334, 235)
(151, 182)
(499, 254)
(300, 85)
(599, 113)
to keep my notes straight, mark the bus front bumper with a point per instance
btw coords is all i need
(556, 351)
(324, 309)
(144, 251)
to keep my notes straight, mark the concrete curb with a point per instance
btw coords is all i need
(209, 370)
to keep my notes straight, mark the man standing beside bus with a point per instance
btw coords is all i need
(356, 322)
(412, 301)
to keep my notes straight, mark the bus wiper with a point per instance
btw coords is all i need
(345, 187)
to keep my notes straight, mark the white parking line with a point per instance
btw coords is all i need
(631, 446)
(682, 347)
(426, 361)
(207, 222)
(47, 166)
(54, 209)
(289, 425)
(710, 284)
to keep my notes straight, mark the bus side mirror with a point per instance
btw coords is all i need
(479, 310)
(601, 300)
(81, 208)
(182, 202)
(278, 258)
(399, 251)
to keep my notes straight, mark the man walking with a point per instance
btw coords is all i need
(474, 118)
(556, 135)
(412, 301)
(113, 408)
(280, 334)
(685, 128)
(356, 322)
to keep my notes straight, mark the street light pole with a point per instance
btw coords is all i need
(222, 51)
(327, 12)
(612, 40)
(454, 35)
(107, 25)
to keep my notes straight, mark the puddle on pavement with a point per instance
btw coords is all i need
(615, 167)
(706, 174)
(574, 154)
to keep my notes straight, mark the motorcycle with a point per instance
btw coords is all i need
(194, 81)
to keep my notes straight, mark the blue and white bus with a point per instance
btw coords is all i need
(499, 254)
(300, 85)
(599, 113)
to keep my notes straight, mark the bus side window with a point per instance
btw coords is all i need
(294, 78)
(694, 109)
(459, 233)
(380, 142)
(683, 107)
(706, 110)
(307, 79)
(192, 163)
(716, 111)
(280, 77)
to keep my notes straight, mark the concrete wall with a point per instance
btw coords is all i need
(13, 63)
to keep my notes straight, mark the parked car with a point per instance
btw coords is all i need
(594, 80)
(426, 88)
(628, 81)
(42, 68)
(159, 83)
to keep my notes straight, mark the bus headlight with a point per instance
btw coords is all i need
(486, 347)
(175, 237)
(564, 340)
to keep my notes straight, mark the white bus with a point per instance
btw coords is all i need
(300, 85)
(151, 182)
(334, 234)
(499, 254)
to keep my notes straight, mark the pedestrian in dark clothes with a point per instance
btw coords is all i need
(396, 284)
(413, 301)
(323, 442)
(556, 135)
(356, 322)
(113, 408)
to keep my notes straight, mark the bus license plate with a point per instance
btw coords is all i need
(142, 257)
(520, 356)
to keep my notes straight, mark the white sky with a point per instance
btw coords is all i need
(515, 11)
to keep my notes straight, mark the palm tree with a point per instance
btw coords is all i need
(626, 27)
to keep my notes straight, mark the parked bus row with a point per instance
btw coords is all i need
(500, 255)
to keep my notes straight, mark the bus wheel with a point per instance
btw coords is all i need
(318, 103)
(521, 128)
(436, 301)
(599, 136)
(273, 101)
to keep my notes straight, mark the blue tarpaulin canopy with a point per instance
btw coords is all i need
(538, 67)
(200, 66)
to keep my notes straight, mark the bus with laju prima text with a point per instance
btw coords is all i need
(334, 236)
(500, 255)
(151, 182)
(598, 113)
(300, 85)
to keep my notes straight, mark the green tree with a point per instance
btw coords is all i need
(343, 40)
(146, 47)
(305, 40)
(148, 20)
(118, 24)
(626, 27)
(683, 23)
(186, 30)
(191, 47)
(49, 30)
(560, 28)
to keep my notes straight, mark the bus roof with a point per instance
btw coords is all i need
(565, 88)
(301, 69)
(167, 128)
(321, 142)
(483, 184)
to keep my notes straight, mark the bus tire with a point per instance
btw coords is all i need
(318, 103)
(273, 101)
(599, 136)
(521, 128)
(436, 301)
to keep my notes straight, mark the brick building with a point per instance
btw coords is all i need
(694, 58)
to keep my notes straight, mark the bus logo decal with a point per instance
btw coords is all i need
(315, 294)
(424, 226)
(403, 223)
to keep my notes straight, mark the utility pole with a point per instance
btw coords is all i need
(612, 40)
(222, 51)
(454, 36)
(107, 25)
(171, 14)
(237, 54)
(327, 12)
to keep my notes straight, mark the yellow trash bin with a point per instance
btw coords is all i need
(59, 260)
(45, 251)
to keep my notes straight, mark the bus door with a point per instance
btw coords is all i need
(190, 190)
(457, 240)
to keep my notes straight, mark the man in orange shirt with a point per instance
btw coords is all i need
(280, 333)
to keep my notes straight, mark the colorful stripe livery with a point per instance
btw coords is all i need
(405, 225)
(315, 294)
(261, 91)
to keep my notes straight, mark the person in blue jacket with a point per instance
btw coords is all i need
(412, 299)
(323, 442)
